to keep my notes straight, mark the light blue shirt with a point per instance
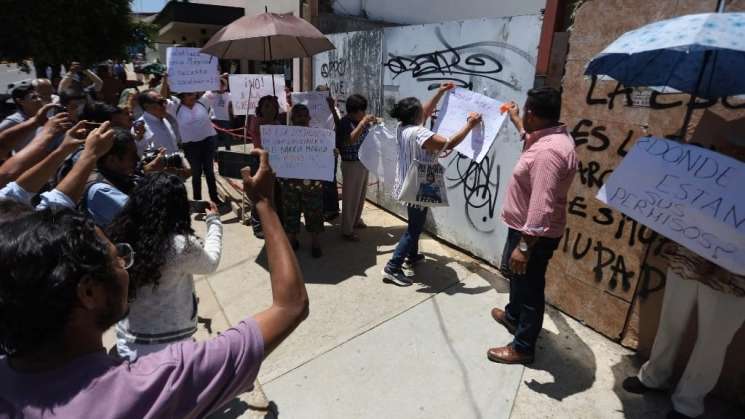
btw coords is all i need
(51, 199)
(158, 133)
(104, 202)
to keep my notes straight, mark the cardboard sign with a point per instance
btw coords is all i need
(454, 113)
(300, 152)
(320, 114)
(247, 89)
(687, 193)
(191, 71)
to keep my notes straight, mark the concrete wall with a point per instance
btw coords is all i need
(603, 273)
(415, 59)
(430, 11)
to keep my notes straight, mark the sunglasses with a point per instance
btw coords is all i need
(126, 255)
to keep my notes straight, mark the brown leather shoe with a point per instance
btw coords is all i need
(501, 317)
(508, 355)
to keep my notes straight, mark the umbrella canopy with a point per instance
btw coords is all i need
(701, 54)
(266, 37)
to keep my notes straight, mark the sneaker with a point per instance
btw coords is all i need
(259, 233)
(330, 215)
(410, 262)
(396, 276)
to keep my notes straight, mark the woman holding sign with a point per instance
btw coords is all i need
(302, 195)
(417, 143)
(198, 137)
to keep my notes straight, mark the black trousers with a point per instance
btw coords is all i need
(201, 157)
(331, 193)
(527, 292)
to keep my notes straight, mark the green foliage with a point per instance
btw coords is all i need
(58, 31)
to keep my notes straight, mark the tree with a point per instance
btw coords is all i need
(53, 32)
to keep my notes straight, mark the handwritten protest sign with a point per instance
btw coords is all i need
(191, 71)
(379, 152)
(689, 194)
(454, 113)
(300, 152)
(320, 114)
(257, 85)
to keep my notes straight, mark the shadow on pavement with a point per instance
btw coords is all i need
(566, 357)
(656, 404)
(237, 407)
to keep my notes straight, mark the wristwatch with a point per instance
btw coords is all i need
(523, 247)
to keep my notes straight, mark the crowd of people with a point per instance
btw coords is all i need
(96, 230)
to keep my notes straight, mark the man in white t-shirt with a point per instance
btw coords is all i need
(221, 111)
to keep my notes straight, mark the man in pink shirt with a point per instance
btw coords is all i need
(535, 212)
(63, 283)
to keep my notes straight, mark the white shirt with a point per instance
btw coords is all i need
(193, 124)
(220, 103)
(158, 133)
(410, 140)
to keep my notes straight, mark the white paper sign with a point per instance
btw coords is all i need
(454, 113)
(689, 194)
(320, 114)
(379, 152)
(300, 152)
(191, 71)
(258, 85)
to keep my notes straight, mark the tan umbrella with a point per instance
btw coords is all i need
(267, 37)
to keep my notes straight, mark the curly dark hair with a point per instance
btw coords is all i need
(43, 257)
(157, 210)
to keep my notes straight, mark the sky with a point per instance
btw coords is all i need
(147, 5)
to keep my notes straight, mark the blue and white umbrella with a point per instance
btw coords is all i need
(701, 54)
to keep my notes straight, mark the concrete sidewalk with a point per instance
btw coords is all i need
(374, 350)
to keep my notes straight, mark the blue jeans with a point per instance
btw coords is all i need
(408, 245)
(527, 299)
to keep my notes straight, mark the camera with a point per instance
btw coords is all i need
(171, 160)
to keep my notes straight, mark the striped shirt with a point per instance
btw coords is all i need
(537, 193)
(410, 139)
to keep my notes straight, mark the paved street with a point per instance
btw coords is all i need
(373, 350)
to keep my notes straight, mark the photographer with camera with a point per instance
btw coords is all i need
(109, 186)
(80, 80)
(25, 120)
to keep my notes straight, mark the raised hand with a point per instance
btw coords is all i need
(260, 185)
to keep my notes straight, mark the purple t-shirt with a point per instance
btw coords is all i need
(185, 380)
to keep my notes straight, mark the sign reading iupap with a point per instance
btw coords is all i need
(191, 71)
(687, 193)
(300, 152)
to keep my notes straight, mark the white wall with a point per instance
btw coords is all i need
(254, 7)
(411, 12)
(493, 56)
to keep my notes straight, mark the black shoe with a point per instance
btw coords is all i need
(316, 252)
(259, 233)
(635, 386)
(673, 414)
(396, 276)
(218, 202)
(331, 215)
